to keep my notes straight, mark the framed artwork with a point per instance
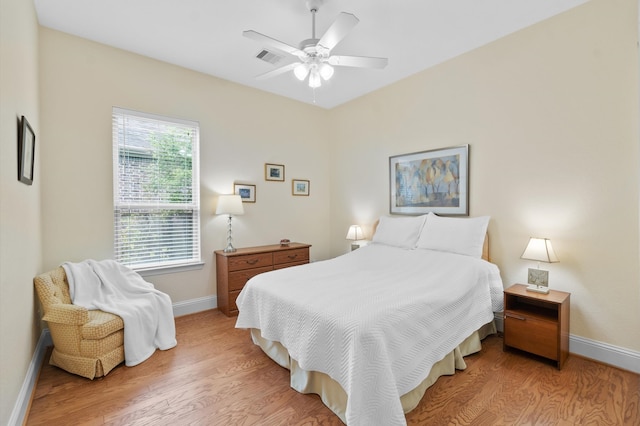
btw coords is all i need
(538, 277)
(274, 172)
(300, 187)
(26, 152)
(246, 192)
(430, 181)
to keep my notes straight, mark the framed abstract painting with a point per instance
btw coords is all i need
(430, 181)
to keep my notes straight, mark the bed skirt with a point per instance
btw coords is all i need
(335, 398)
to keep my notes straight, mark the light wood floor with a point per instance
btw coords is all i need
(216, 376)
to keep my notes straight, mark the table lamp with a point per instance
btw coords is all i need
(354, 234)
(539, 249)
(230, 205)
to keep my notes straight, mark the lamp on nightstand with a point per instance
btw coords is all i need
(230, 205)
(539, 249)
(354, 234)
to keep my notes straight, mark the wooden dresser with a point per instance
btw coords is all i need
(233, 270)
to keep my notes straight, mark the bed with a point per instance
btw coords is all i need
(371, 330)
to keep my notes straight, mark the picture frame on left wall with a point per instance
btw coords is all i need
(26, 151)
(300, 187)
(246, 192)
(274, 172)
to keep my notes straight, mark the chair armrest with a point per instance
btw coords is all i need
(63, 313)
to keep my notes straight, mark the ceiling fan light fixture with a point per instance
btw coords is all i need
(301, 71)
(314, 79)
(326, 71)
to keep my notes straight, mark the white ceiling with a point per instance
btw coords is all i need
(206, 35)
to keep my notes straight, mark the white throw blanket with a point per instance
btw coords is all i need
(111, 287)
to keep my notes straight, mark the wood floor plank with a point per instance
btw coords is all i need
(217, 376)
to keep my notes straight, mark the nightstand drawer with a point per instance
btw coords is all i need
(238, 279)
(530, 334)
(290, 256)
(250, 261)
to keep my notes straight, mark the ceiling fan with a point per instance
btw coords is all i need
(313, 57)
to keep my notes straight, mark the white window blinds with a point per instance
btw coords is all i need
(156, 198)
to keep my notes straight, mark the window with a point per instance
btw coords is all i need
(156, 196)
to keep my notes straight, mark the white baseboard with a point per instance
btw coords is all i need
(605, 353)
(498, 318)
(19, 413)
(195, 305)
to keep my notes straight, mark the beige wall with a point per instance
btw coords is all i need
(551, 114)
(551, 117)
(240, 130)
(19, 204)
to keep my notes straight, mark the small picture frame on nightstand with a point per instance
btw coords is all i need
(538, 277)
(538, 281)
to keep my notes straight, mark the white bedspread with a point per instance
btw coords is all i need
(375, 320)
(112, 287)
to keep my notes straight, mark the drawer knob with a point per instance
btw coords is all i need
(252, 261)
(293, 256)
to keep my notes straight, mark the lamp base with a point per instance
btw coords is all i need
(538, 289)
(229, 249)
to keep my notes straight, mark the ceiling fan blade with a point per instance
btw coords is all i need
(338, 30)
(277, 71)
(274, 43)
(358, 61)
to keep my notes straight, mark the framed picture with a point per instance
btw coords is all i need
(300, 187)
(26, 151)
(430, 181)
(274, 172)
(246, 192)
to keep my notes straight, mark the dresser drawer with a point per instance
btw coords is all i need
(238, 279)
(234, 269)
(530, 334)
(298, 256)
(289, 265)
(233, 307)
(258, 260)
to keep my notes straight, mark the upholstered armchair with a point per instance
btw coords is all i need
(89, 343)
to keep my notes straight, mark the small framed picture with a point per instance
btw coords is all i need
(246, 192)
(274, 172)
(538, 277)
(300, 187)
(26, 152)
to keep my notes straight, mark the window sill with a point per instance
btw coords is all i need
(173, 269)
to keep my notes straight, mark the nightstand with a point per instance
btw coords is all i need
(537, 323)
(357, 244)
(234, 269)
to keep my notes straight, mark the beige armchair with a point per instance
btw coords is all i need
(86, 343)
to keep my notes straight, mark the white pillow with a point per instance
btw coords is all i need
(399, 232)
(456, 235)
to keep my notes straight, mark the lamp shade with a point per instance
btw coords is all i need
(540, 249)
(230, 204)
(355, 233)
